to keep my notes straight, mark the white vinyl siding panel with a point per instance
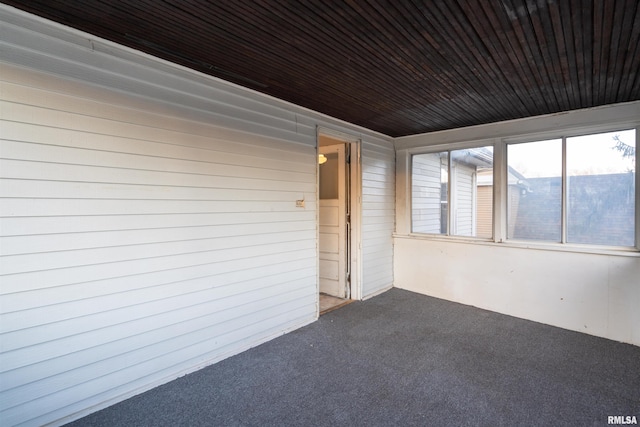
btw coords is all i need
(132, 248)
(426, 188)
(378, 215)
(464, 200)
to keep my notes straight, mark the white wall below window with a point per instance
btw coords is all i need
(591, 293)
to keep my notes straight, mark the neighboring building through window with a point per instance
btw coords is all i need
(450, 190)
(588, 197)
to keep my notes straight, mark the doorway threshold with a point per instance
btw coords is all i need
(329, 303)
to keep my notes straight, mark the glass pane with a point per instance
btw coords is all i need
(601, 189)
(471, 198)
(329, 177)
(429, 181)
(535, 190)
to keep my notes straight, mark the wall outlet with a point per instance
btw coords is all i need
(300, 203)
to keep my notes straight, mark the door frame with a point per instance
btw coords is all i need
(353, 143)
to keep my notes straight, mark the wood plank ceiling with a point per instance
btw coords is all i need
(400, 67)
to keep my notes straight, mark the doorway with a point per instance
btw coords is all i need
(335, 228)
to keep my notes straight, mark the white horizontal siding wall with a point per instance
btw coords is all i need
(134, 243)
(148, 221)
(378, 215)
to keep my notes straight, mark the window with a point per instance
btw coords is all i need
(579, 189)
(328, 181)
(585, 196)
(452, 192)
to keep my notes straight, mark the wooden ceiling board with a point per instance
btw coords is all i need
(398, 67)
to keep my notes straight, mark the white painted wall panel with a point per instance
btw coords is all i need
(148, 224)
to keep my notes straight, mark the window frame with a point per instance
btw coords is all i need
(404, 221)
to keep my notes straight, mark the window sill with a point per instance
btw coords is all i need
(516, 244)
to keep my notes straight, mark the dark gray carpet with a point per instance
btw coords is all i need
(402, 359)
